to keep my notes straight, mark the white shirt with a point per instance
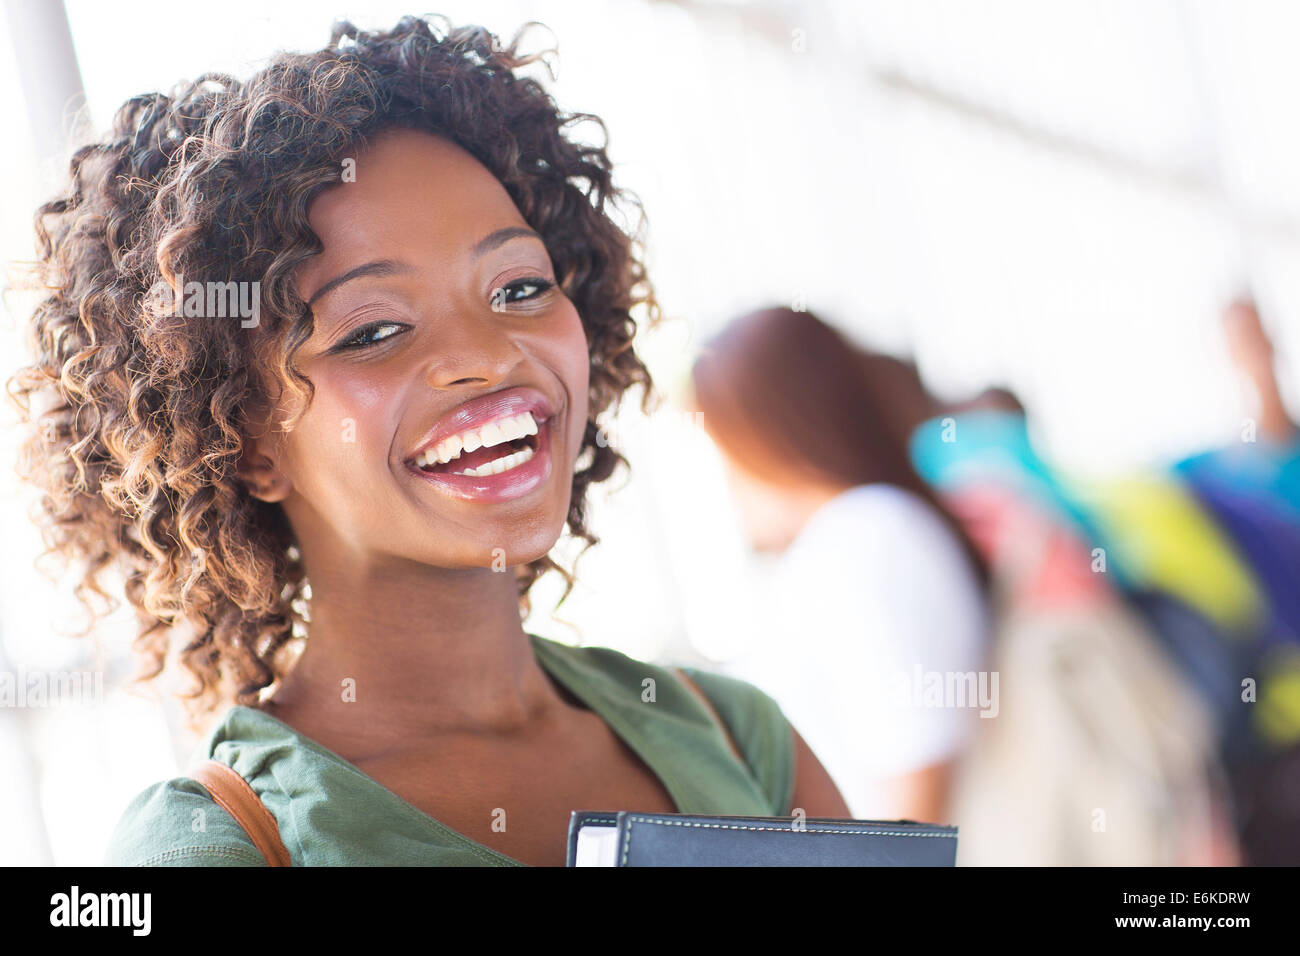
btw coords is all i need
(872, 607)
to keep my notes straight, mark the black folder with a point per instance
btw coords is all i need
(681, 839)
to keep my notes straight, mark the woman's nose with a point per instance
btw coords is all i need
(480, 354)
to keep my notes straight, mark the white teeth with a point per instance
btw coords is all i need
(494, 433)
(499, 465)
(512, 428)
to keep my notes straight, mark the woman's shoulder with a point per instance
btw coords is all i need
(731, 695)
(752, 718)
(882, 525)
(760, 729)
(176, 823)
(879, 501)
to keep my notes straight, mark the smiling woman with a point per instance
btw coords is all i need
(446, 308)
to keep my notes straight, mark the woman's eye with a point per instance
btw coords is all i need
(370, 334)
(519, 291)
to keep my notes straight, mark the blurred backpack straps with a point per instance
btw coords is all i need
(233, 794)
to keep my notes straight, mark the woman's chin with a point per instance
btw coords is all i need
(513, 551)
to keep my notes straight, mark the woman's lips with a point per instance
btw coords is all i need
(494, 407)
(504, 486)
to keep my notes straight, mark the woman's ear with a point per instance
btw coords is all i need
(261, 477)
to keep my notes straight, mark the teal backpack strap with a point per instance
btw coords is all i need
(756, 727)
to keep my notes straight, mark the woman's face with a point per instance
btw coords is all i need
(431, 292)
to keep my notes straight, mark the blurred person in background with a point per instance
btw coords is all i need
(1144, 537)
(1097, 752)
(1102, 752)
(876, 585)
(1253, 355)
(1250, 488)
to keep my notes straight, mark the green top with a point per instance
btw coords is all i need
(332, 814)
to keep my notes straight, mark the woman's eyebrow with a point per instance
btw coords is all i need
(500, 237)
(390, 267)
(380, 267)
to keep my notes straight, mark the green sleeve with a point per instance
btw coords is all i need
(177, 823)
(760, 730)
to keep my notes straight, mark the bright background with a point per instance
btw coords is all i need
(1058, 196)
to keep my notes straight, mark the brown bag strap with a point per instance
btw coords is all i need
(233, 794)
(708, 705)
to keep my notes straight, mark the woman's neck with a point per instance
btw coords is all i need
(404, 651)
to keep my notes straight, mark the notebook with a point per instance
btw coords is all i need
(625, 838)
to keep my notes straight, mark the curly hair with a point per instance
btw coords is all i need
(143, 417)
